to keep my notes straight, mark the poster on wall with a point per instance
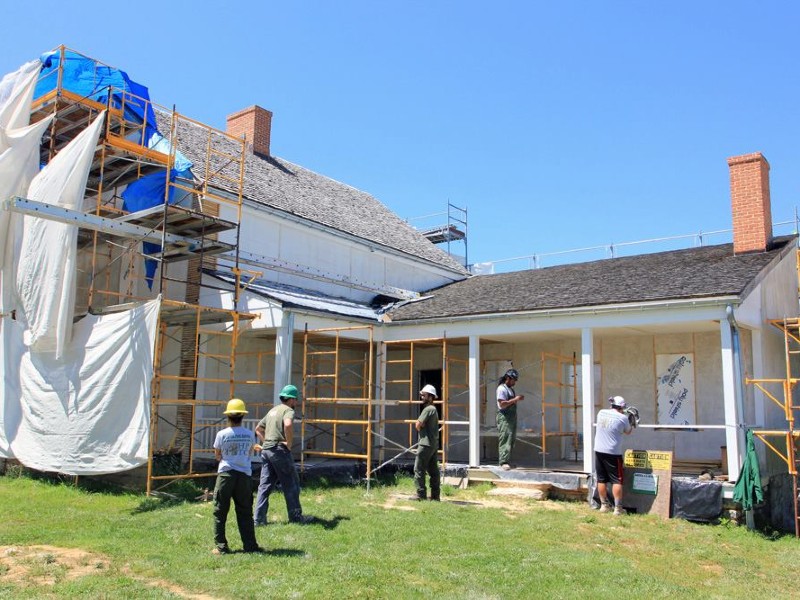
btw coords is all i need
(675, 389)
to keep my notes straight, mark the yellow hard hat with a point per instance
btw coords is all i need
(235, 407)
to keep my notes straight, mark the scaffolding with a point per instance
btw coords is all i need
(454, 230)
(788, 437)
(127, 255)
(560, 402)
(346, 416)
(337, 399)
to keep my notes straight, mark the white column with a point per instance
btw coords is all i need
(380, 394)
(474, 401)
(283, 354)
(729, 399)
(587, 397)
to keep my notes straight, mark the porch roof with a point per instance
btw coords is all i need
(705, 272)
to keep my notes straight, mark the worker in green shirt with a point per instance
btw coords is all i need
(427, 460)
(277, 466)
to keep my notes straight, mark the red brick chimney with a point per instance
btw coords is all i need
(752, 212)
(255, 123)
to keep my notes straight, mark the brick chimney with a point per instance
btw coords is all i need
(752, 212)
(255, 123)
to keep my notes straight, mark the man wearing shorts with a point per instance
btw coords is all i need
(612, 423)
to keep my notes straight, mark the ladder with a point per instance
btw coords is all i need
(771, 437)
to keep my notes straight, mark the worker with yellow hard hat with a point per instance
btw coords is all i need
(233, 448)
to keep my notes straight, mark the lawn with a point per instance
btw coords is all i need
(59, 541)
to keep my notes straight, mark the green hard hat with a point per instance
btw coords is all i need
(289, 391)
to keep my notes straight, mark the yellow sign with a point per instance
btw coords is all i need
(648, 459)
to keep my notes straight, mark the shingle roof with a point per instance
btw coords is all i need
(681, 274)
(287, 187)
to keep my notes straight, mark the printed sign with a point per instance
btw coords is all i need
(675, 389)
(645, 483)
(648, 459)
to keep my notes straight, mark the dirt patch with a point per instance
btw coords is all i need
(712, 568)
(47, 565)
(44, 565)
(392, 504)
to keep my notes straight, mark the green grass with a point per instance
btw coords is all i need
(374, 545)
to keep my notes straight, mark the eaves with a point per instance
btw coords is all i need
(583, 311)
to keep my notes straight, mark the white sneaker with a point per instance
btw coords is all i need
(505, 467)
(618, 511)
(604, 508)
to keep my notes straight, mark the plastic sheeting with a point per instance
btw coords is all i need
(89, 412)
(75, 398)
(47, 250)
(16, 92)
(95, 81)
(696, 500)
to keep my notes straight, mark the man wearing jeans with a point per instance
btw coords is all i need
(277, 462)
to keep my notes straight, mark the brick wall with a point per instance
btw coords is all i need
(255, 123)
(750, 203)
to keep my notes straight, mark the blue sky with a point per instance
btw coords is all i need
(557, 125)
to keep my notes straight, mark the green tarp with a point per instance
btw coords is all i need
(747, 490)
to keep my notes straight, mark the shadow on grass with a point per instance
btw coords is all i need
(326, 523)
(151, 504)
(94, 484)
(283, 552)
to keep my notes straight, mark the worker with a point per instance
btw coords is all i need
(612, 423)
(507, 400)
(428, 448)
(277, 463)
(233, 447)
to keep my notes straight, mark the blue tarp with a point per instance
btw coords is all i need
(149, 191)
(90, 79)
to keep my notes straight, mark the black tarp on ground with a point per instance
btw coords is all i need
(696, 500)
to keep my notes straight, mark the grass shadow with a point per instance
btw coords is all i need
(151, 504)
(326, 523)
(284, 552)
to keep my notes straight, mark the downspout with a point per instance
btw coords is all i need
(740, 393)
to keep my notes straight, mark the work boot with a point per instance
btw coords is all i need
(302, 520)
(619, 511)
(605, 507)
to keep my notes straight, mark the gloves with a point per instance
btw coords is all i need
(633, 416)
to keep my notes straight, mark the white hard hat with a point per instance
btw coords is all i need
(617, 401)
(429, 389)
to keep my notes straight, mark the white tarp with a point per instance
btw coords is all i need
(16, 93)
(75, 398)
(47, 250)
(89, 412)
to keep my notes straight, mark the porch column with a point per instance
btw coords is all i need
(587, 397)
(474, 401)
(284, 339)
(729, 387)
(380, 396)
